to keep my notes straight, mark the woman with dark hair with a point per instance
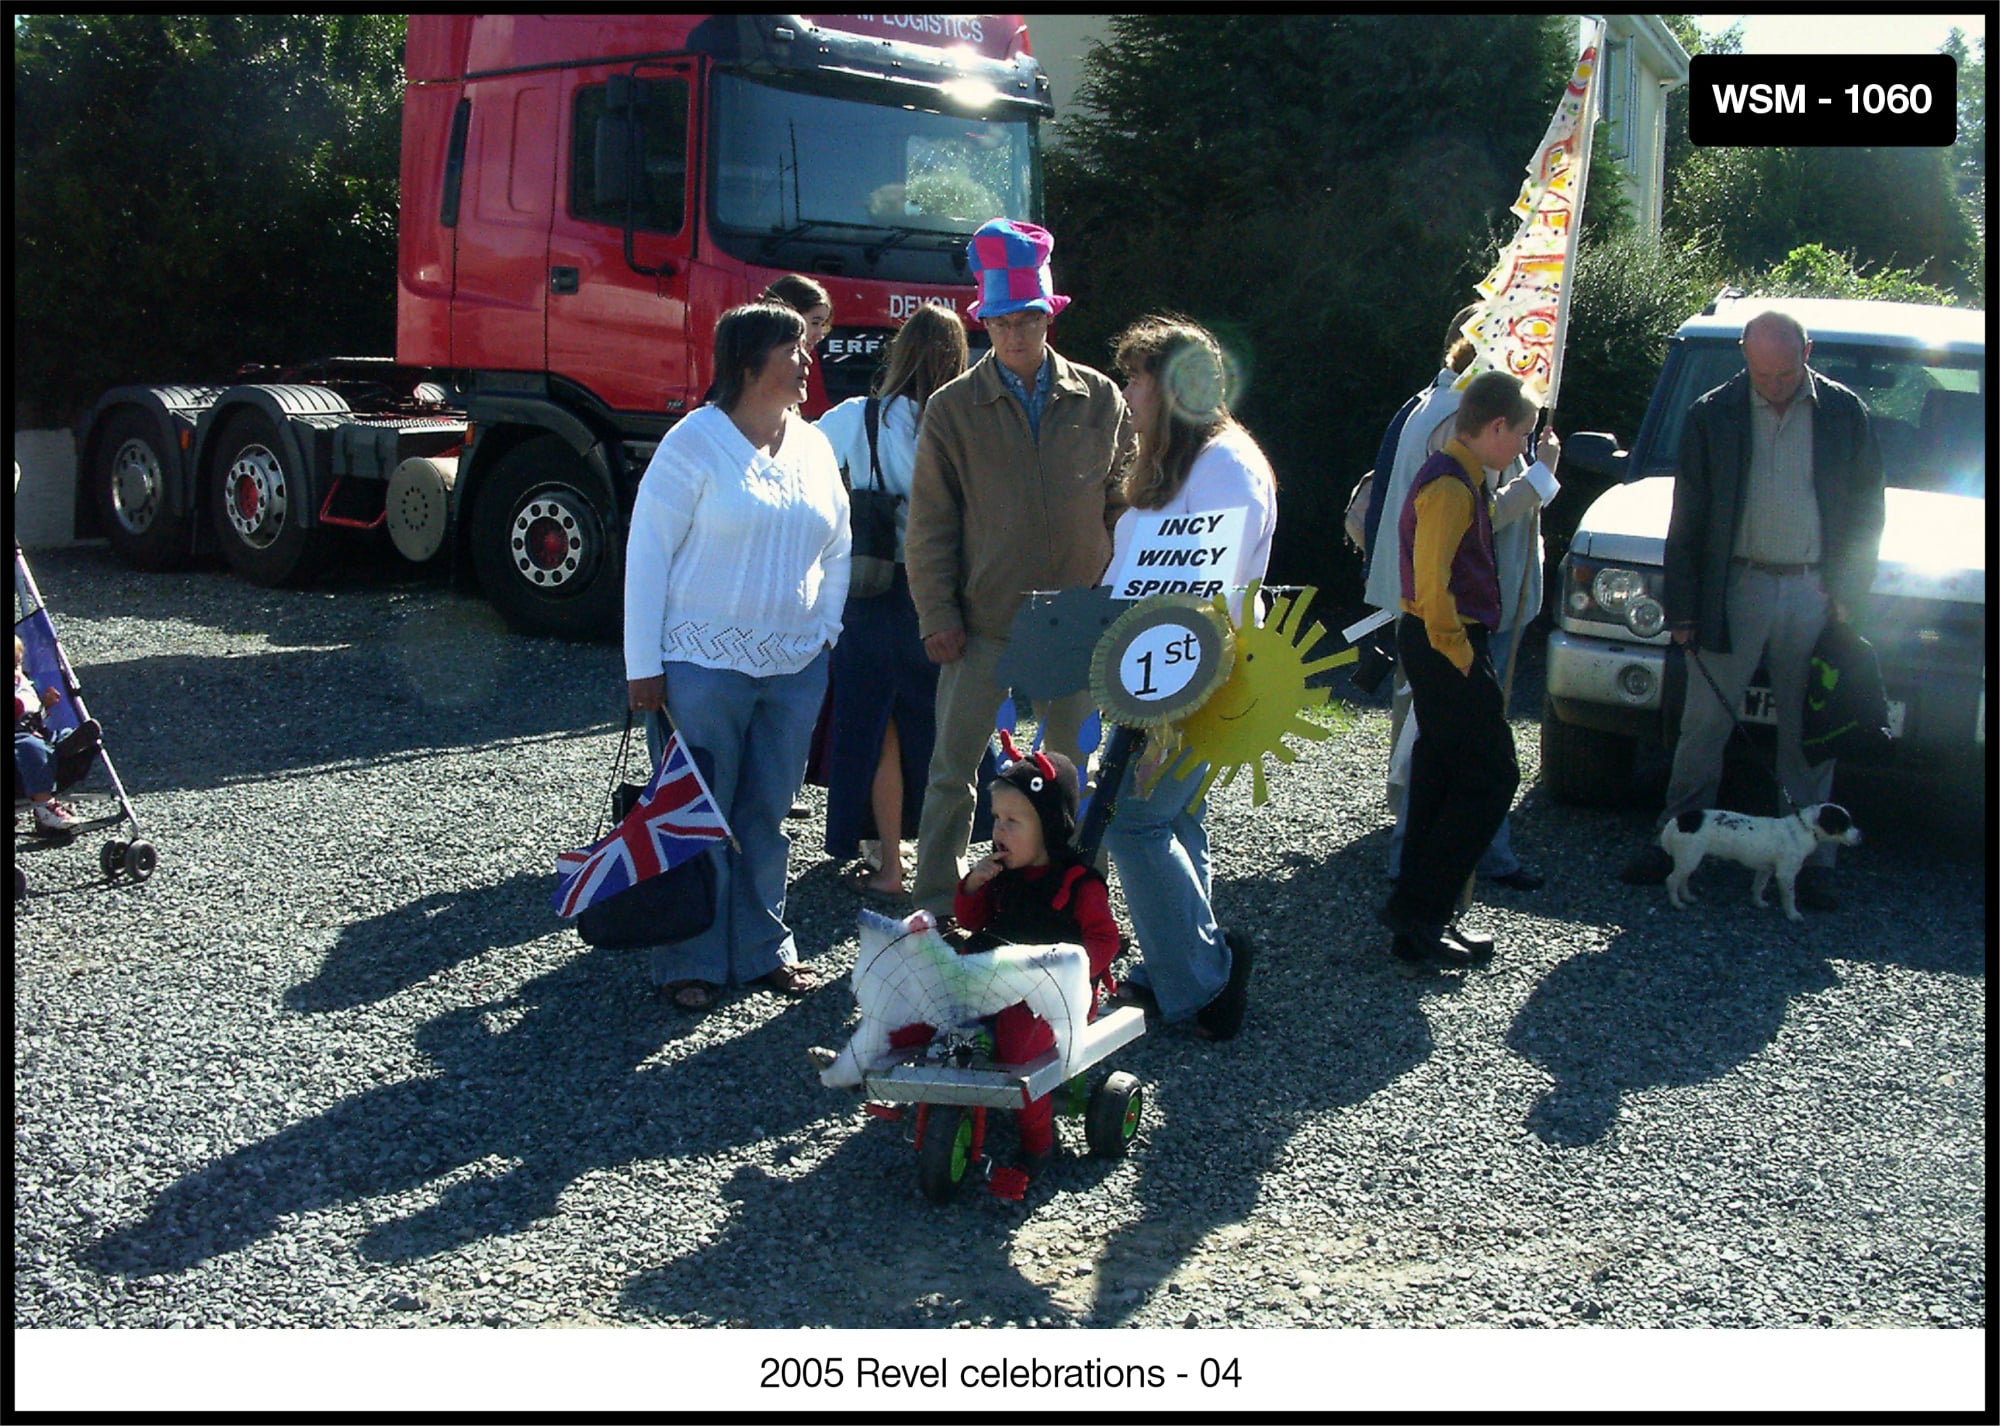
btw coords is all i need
(735, 574)
(812, 302)
(884, 685)
(1192, 457)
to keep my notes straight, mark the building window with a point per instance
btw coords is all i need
(1619, 98)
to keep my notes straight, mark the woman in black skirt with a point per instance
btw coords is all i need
(884, 687)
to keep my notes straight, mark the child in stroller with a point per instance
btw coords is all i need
(44, 760)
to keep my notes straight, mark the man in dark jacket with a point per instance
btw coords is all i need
(1777, 515)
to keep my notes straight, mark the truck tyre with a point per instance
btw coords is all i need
(1584, 766)
(545, 544)
(128, 480)
(259, 504)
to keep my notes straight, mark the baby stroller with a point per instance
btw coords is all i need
(78, 742)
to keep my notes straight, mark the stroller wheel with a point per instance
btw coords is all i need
(110, 859)
(140, 859)
(20, 885)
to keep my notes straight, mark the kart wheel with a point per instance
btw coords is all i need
(140, 859)
(111, 860)
(1113, 1120)
(945, 1153)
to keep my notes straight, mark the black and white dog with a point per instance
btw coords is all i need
(1770, 846)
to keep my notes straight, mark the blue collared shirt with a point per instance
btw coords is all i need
(1031, 403)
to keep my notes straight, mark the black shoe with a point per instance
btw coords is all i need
(1222, 1017)
(1813, 891)
(1521, 878)
(1419, 941)
(1477, 945)
(1650, 868)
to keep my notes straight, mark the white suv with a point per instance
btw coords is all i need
(1922, 372)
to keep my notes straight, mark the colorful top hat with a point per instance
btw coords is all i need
(1010, 264)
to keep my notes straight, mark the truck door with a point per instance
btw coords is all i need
(622, 236)
(499, 302)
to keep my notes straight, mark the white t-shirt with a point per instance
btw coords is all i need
(845, 428)
(1230, 472)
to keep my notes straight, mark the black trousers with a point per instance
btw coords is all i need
(1462, 771)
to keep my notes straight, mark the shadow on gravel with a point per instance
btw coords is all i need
(580, 1071)
(1324, 993)
(1683, 997)
(374, 959)
(429, 695)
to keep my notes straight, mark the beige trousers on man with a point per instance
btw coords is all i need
(968, 699)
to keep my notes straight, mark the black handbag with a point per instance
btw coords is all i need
(1847, 707)
(872, 517)
(676, 905)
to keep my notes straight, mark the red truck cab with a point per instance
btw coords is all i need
(582, 196)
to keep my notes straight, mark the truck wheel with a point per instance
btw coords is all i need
(259, 505)
(1112, 1122)
(544, 544)
(945, 1153)
(128, 480)
(1584, 766)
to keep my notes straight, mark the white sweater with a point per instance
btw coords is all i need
(1231, 471)
(735, 560)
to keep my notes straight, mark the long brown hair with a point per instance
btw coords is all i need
(928, 350)
(1192, 378)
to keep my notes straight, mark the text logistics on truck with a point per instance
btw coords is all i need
(582, 196)
(1922, 372)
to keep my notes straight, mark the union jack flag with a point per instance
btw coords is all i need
(675, 818)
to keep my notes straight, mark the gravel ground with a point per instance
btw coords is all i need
(337, 1065)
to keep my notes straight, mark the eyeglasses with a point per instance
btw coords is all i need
(1018, 322)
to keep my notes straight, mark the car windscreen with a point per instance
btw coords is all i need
(794, 166)
(1928, 408)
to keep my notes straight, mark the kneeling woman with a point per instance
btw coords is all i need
(1193, 457)
(735, 573)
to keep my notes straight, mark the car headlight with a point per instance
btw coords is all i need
(1615, 588)
(1645, 616)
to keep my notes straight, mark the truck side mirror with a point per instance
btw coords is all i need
(1595, 453)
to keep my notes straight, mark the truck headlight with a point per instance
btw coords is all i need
(1645, 616)
(1615, 588)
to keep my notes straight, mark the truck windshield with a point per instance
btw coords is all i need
(1928, 408)
(892, 192)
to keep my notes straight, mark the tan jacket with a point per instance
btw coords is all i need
(994, 513)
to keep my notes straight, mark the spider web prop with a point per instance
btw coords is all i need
(907, 974)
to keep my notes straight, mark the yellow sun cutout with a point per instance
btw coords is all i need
(1264, 698)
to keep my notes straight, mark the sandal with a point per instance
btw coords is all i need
(794, 980)
(687, 994)
(858, 882)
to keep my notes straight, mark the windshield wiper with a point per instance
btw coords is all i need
(873, 254)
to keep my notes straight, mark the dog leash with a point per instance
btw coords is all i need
(1770, 770)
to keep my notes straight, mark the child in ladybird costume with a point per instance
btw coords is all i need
(1035, 890)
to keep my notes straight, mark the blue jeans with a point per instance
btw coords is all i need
(35, 764)
(759, 731)
(1161, 852)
